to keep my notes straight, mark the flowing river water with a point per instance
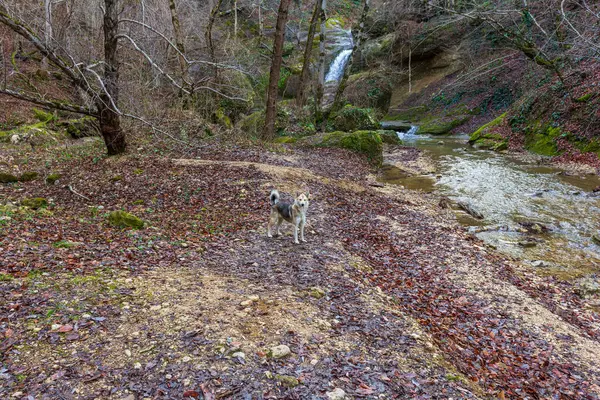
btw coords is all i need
(536, 213)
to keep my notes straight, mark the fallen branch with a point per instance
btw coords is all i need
(75, 192)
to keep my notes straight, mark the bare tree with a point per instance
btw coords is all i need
(304, 76)
(271, 108)
(178, 40)
(209, 38)
(321, 79)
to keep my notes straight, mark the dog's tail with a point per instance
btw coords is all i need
(274, 197)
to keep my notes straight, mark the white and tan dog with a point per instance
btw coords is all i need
(294, 213)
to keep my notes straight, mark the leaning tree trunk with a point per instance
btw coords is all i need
(282, 16)
(178, 40)
(110, 120)
(47, 30)
(209, 41)
(321, 82)
(301, 96)
(356, 50)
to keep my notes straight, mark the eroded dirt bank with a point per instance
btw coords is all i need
(388, 299)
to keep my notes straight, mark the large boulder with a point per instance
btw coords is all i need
(81, 127)
(370, 89)
(351, 118)
(238, 87)
(253, 124)
(368, 143)
(442, 125)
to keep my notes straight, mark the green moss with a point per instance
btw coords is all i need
(138, 202)
(389, 137)
(254, 123)
(483, 131)
(584, 98)
(5, 277)
(122, 219)
(287, 380)
(82, 127)
(285, 139)
(64, 244)
(351, 118)
(543, 141)
(365, 142)
(35, 203)
(116, 178)
(442, 125)
(332, 23)
(28, 176)
(8, 178)
(52, 178)
(219, 117)
(43, 116)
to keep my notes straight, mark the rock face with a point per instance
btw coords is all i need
(596, 238)
(279, 351)
(366, 142)
(122, 219)
(351, 118)
(253, 124)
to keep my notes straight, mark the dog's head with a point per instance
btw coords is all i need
(302, 200)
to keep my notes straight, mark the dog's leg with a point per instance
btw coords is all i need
(270, 224)
(302, 223)
(296, 233)
(279, 222)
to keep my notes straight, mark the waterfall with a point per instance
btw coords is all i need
(412, 131)
(336, 70)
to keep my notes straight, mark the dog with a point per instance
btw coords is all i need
(294, 213)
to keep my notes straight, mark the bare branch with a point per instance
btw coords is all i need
(59, 105)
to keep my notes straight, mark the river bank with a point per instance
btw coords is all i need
(389, 297)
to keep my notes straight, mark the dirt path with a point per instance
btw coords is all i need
(388, 299)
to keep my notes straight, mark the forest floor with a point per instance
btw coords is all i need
(389, 298)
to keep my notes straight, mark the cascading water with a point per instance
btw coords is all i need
(340, 43)
(336, 70)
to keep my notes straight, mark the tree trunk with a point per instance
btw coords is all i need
(356, 50)
(260, 19)
(209, 41)
(271, 111)
(301, 96)
(47, 29)
(178, 40)
(321, 81)
(235, 19)
(110, 121)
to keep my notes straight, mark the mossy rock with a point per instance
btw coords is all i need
(378, 47)
(35, 203)
(81, 127)
(219, 117)
(484, 130)
(43, 116)
(287, 380)
(285, 139)
(585, 98)
(253, 124)
(389, 137)
(543, 141)
(334, 23)
(28, 176)
(122, 219)
(52, 178)
(351, 118)
(8, 178)
(370, 89)
(368, 143)
(442, 125)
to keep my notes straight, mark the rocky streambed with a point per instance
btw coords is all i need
(546, 217)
